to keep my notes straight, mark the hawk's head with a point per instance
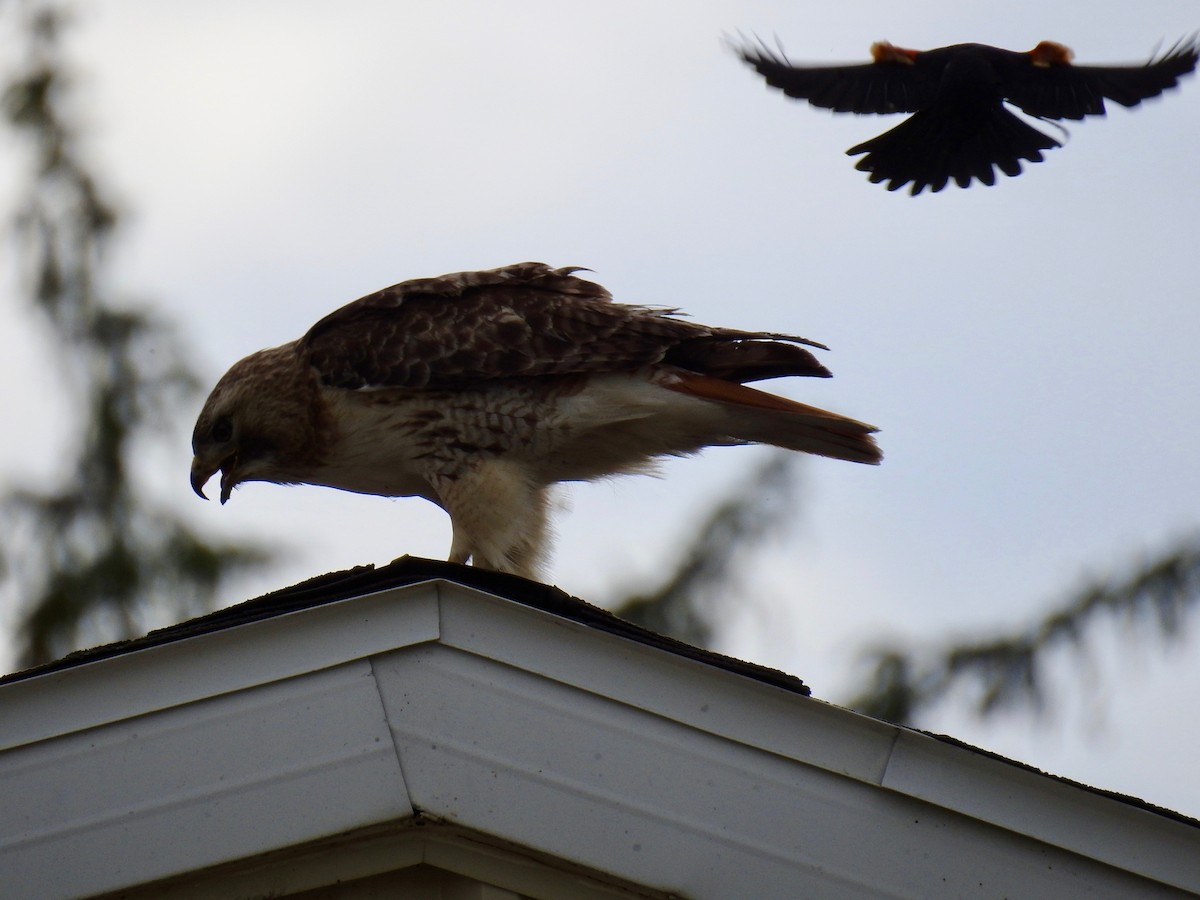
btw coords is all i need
(256, 424)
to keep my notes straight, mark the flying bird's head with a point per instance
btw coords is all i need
(255, 425)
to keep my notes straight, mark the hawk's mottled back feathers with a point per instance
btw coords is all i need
(526, 320)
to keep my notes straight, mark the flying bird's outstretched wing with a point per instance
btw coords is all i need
(892, 83)
(480, 390)
(1045, 83)
(960, 129)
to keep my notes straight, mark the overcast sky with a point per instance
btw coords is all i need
(1028, 350)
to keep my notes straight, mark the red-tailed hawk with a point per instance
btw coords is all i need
(480, 390)
(961, 128)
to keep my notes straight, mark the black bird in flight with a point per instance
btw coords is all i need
(960, 127)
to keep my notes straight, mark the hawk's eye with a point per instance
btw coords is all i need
(222, 431)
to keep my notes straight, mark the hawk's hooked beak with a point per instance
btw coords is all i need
(200, 475)
(202, 471)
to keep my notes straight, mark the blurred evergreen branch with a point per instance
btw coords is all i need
(688, 604)
(1008, 671)
(91, 559)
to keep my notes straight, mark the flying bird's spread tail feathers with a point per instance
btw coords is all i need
(481, 390)
(960, 129)
(929, 149)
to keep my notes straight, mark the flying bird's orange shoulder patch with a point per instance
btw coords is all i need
(886, 52)
(1051, 53)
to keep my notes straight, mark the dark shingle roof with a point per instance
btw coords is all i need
(406, 571)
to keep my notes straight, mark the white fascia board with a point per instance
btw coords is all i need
(214, 663)
(685, 690)
(1045, 808)
(194, 753)
(763, 718)
(619, 756)
(584, 778)
(197, 785)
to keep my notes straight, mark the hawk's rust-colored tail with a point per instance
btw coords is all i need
(762, 418)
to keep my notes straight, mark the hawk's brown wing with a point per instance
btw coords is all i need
(525, 320)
